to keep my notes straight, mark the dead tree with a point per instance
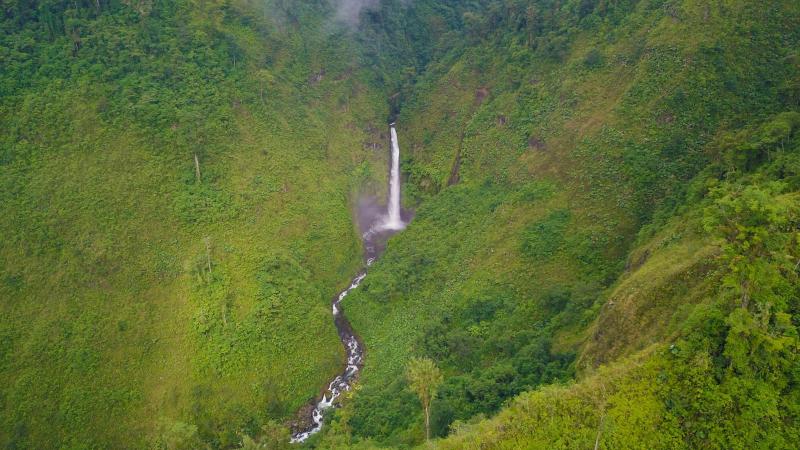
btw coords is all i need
(197, 167)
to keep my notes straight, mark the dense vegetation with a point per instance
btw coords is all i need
(605, 250)
(143, 304)
(595, 182)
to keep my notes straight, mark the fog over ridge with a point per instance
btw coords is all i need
(349, 11)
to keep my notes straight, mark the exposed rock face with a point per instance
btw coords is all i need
(481, 94)
(303, 419)
(536, 143)
(316, 78)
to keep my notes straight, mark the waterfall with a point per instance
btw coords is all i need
(393, 221)
(381, 227)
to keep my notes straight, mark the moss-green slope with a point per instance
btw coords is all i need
(141, 305)
(573, 142)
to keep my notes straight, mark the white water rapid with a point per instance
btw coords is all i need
(342, 383)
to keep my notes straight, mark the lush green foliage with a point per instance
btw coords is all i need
(602, 150)
(424, 379)
(728, 381)
(144, 306)
(605, 248)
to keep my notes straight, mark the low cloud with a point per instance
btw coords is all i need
(349, 11)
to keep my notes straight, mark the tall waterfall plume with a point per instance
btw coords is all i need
(393, 219)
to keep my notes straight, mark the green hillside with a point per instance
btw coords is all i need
(140, 301)
(596, 187)
(604, 253)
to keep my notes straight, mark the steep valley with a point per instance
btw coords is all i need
(604, 252)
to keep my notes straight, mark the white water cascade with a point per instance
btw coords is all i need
(342, 382)
(393, 220)
(374, 241)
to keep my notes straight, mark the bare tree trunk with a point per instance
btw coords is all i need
(745, 286)
(208, 255)
(427, 422)
(599, 429)
(602, 408)
(197, 167)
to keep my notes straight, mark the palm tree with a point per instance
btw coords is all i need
(425, 378)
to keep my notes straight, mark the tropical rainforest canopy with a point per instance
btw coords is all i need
(605, 249)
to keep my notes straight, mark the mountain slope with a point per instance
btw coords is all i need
(145, 303)
(604, 251)
(563, 167)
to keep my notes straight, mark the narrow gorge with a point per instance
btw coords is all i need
(381, 228)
